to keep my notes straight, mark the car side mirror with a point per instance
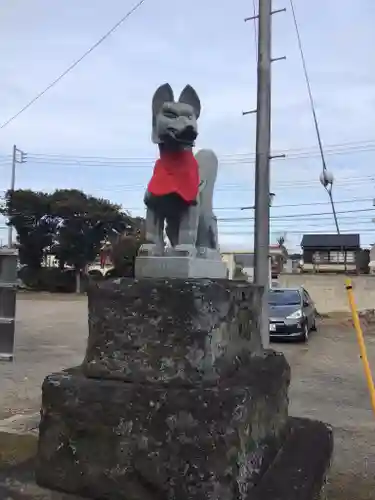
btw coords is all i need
(305, 303)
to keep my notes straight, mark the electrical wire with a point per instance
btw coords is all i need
(147, 163)
(362, 145)
(246, 233)
(287, 205)
(75, 63)
(309, 204)
(286, 217)
(226, 160)
(342, 147)
(298, 216)
(312, 104)
(348, 185)
(237, 189)
(312, 221)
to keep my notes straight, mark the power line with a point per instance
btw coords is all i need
(360, 143)
(72, 66)
(310, 204)
(278, 230)
(296, 216)
(246, 233)
(287, 205)
(239, 186)
(327, 184)
(288, 219)
(312, 105)
(236, 157)
(148, 163)
(133, 165)
(311, 222)
(308, 152)
(346, 184)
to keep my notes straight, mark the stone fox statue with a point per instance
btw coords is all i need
(181, 188)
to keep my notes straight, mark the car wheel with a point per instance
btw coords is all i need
(305, 334)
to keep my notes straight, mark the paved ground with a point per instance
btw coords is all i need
(327, 382)
(50, 335)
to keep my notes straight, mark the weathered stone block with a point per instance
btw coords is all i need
(113, 440)
(300, 469)
(171, 330)
(172, 266)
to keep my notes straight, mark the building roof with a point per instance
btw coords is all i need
(330, 241)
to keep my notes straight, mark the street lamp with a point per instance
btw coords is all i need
(326, 179)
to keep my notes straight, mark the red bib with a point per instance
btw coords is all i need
(175, 172)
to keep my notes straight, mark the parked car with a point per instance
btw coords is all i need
(292, 313)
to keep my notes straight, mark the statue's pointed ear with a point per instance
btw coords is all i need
(189, 96)
(163, 94)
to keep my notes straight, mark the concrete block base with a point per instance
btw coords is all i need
(179, 267)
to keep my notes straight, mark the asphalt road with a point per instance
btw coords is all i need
(327, 381)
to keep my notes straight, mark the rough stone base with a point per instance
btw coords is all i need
(300, 468)
(171, 330)
(297, 473)
(179, 267)
(115, 440)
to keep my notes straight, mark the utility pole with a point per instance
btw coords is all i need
(18, 156)
(262, 163)
(262, 159)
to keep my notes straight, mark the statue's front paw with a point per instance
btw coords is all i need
(185, 250)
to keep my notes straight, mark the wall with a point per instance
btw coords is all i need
(329, 293)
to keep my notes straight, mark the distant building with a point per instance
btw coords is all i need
(331, 253)
(245, 261)
(293, 264)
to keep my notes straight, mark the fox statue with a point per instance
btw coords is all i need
(179, 194)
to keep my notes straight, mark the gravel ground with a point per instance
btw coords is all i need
(51, 333)
(327, 381)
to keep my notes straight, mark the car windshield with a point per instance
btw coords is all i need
(284, 297)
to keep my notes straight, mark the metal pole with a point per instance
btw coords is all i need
(262, 162)
(12, 186)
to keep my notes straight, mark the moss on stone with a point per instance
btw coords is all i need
(17, 448)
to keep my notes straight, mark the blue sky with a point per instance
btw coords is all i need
(102, 108)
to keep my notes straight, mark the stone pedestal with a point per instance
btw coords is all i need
(171, 330)
(175, 398)
(151, 266)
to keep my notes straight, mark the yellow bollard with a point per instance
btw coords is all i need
(361, 342)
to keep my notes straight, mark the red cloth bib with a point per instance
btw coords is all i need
(175, 172)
